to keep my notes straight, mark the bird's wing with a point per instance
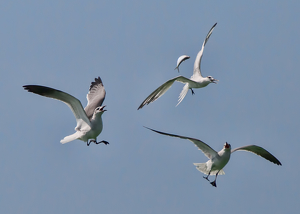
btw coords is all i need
(72, 102)
(162, 89)
(259, 151)
(200, 53)
(206, 149)
(180, 60)
(95, 97)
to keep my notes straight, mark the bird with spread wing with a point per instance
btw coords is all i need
(89, 119)
(196, 81)
(218, 160)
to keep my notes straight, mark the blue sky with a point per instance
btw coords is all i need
(133, 46)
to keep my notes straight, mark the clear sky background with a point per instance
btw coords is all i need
(133, 46)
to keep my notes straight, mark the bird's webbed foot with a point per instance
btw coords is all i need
(192, 91)
(103, 141)
(206, 177)
(94, 141)
(214, 183)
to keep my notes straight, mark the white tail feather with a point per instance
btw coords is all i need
(183, 93)
(202, 167)
(71, 137)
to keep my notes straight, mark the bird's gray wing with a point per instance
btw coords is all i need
(162, 89)
(95, 97)
(73, 103)
(200, 53)
(259, 151)
(206, 149)
(180, 60)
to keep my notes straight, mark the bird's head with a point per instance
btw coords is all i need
(227, 146)
(99, 110)
(211, 79)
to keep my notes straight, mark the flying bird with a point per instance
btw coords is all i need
(196, 80)
(89, 119)
(180, 60)
(218, 160)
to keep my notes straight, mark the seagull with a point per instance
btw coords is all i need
(196, 80)
(180, 60)
(218, 160)
(89, 120)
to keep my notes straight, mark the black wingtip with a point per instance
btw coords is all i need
(278, 163)
(30, 88)
(142, 105)
(152, 129)
(38, 89)
(97, 82)
(159, 132)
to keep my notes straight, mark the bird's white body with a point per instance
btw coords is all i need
(198, 81)
(97, 124)
(195, 81)
(86, 132)
(216, 164)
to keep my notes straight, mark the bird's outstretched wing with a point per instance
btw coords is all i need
(259, 151)
(95, 97)
(72, 102)
(206, 149)
(180, 60)
(200, 53)
(162, 89)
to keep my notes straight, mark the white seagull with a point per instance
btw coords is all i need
(89, 120)
(196, 80)
(180, 60)
(217, 160)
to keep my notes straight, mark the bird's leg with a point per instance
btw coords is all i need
(192, 91)
(103, 141)
(89, 142)
(214, 182)
(207, 176)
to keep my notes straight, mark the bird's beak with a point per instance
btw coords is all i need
(102, 109)
(215, 81)
(227, 145)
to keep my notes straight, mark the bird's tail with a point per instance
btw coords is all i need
(202, 167)
(71, 137)
(183, 93)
